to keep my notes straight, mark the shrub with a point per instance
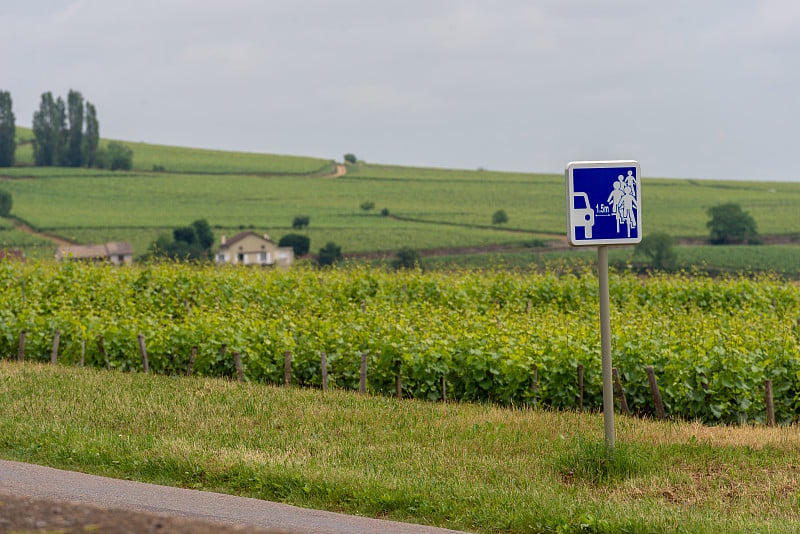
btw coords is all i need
(329, 254)
(5, 203)
(499, 217)
(119, 156)
(299, 243)
(658, 248)
(406, 258)
(350, 158)
(729, 223)
(300, 222)
(367, 205)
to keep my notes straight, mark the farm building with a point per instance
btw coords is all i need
(250, 248)
(116, 253)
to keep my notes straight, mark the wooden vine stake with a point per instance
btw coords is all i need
(192, 358)
(83, 350)
(535, 384)
(398, 381)
(323, 365)
(287, 368)
(444, 388)
(54, 354)
(101, 347)
(237, 361)
(770, 404)
(580, 387)
(659, 405)
(362, 386)
(21, 350)
(143, 352)
(623, 403)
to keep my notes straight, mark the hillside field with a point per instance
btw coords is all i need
(423, 208)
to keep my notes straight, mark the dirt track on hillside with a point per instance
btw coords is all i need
(24, 228)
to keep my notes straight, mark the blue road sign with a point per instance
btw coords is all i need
(603, 203)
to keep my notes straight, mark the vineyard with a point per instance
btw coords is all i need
(499, 336)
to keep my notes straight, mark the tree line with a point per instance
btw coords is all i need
(66, 134)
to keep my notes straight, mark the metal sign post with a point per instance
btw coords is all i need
(604, 209)
(605, 347)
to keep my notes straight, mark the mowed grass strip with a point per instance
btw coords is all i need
(473, 467)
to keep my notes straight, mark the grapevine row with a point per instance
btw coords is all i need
(712, 343)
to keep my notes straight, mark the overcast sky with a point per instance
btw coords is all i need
(689, 88)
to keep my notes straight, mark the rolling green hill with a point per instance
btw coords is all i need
(423, 208)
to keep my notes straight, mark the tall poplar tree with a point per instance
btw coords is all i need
(45, 132)
(74, 156)
(92, 136)
(62, 133)
(8, 143)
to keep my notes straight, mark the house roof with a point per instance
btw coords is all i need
(117, 248)
(242, 235)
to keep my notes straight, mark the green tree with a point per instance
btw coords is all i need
(367, 205)
(350, 158)
(188, 242)
(119, 156)
(92, 137)
(729, 224)
(205, 237)
(7, 130)
(499, 217)
(61, 154)
(406, 258)
(300, 222)
(658, 247)
(5, 203)
(329, 254)
(185, 234)
(46, 132)
(75, 149)
(299, 243)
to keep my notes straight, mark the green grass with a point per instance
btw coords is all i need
(146, 157)
(474, 467)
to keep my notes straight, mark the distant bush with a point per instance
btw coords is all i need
(299, 243)
(406, 258)
(658, 247)
(385, 212)
(329, 254)
(367, 205)
(116, 156)
(300, 222)
(350, 158)
(188, 242)
(5, 203)
(499, 217)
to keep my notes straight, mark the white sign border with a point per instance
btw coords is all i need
(568, 176)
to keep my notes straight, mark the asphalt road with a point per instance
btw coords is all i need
(33, 481)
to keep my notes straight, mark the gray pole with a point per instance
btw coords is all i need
(605, 347)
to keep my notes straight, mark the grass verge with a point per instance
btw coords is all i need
(472, 467)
